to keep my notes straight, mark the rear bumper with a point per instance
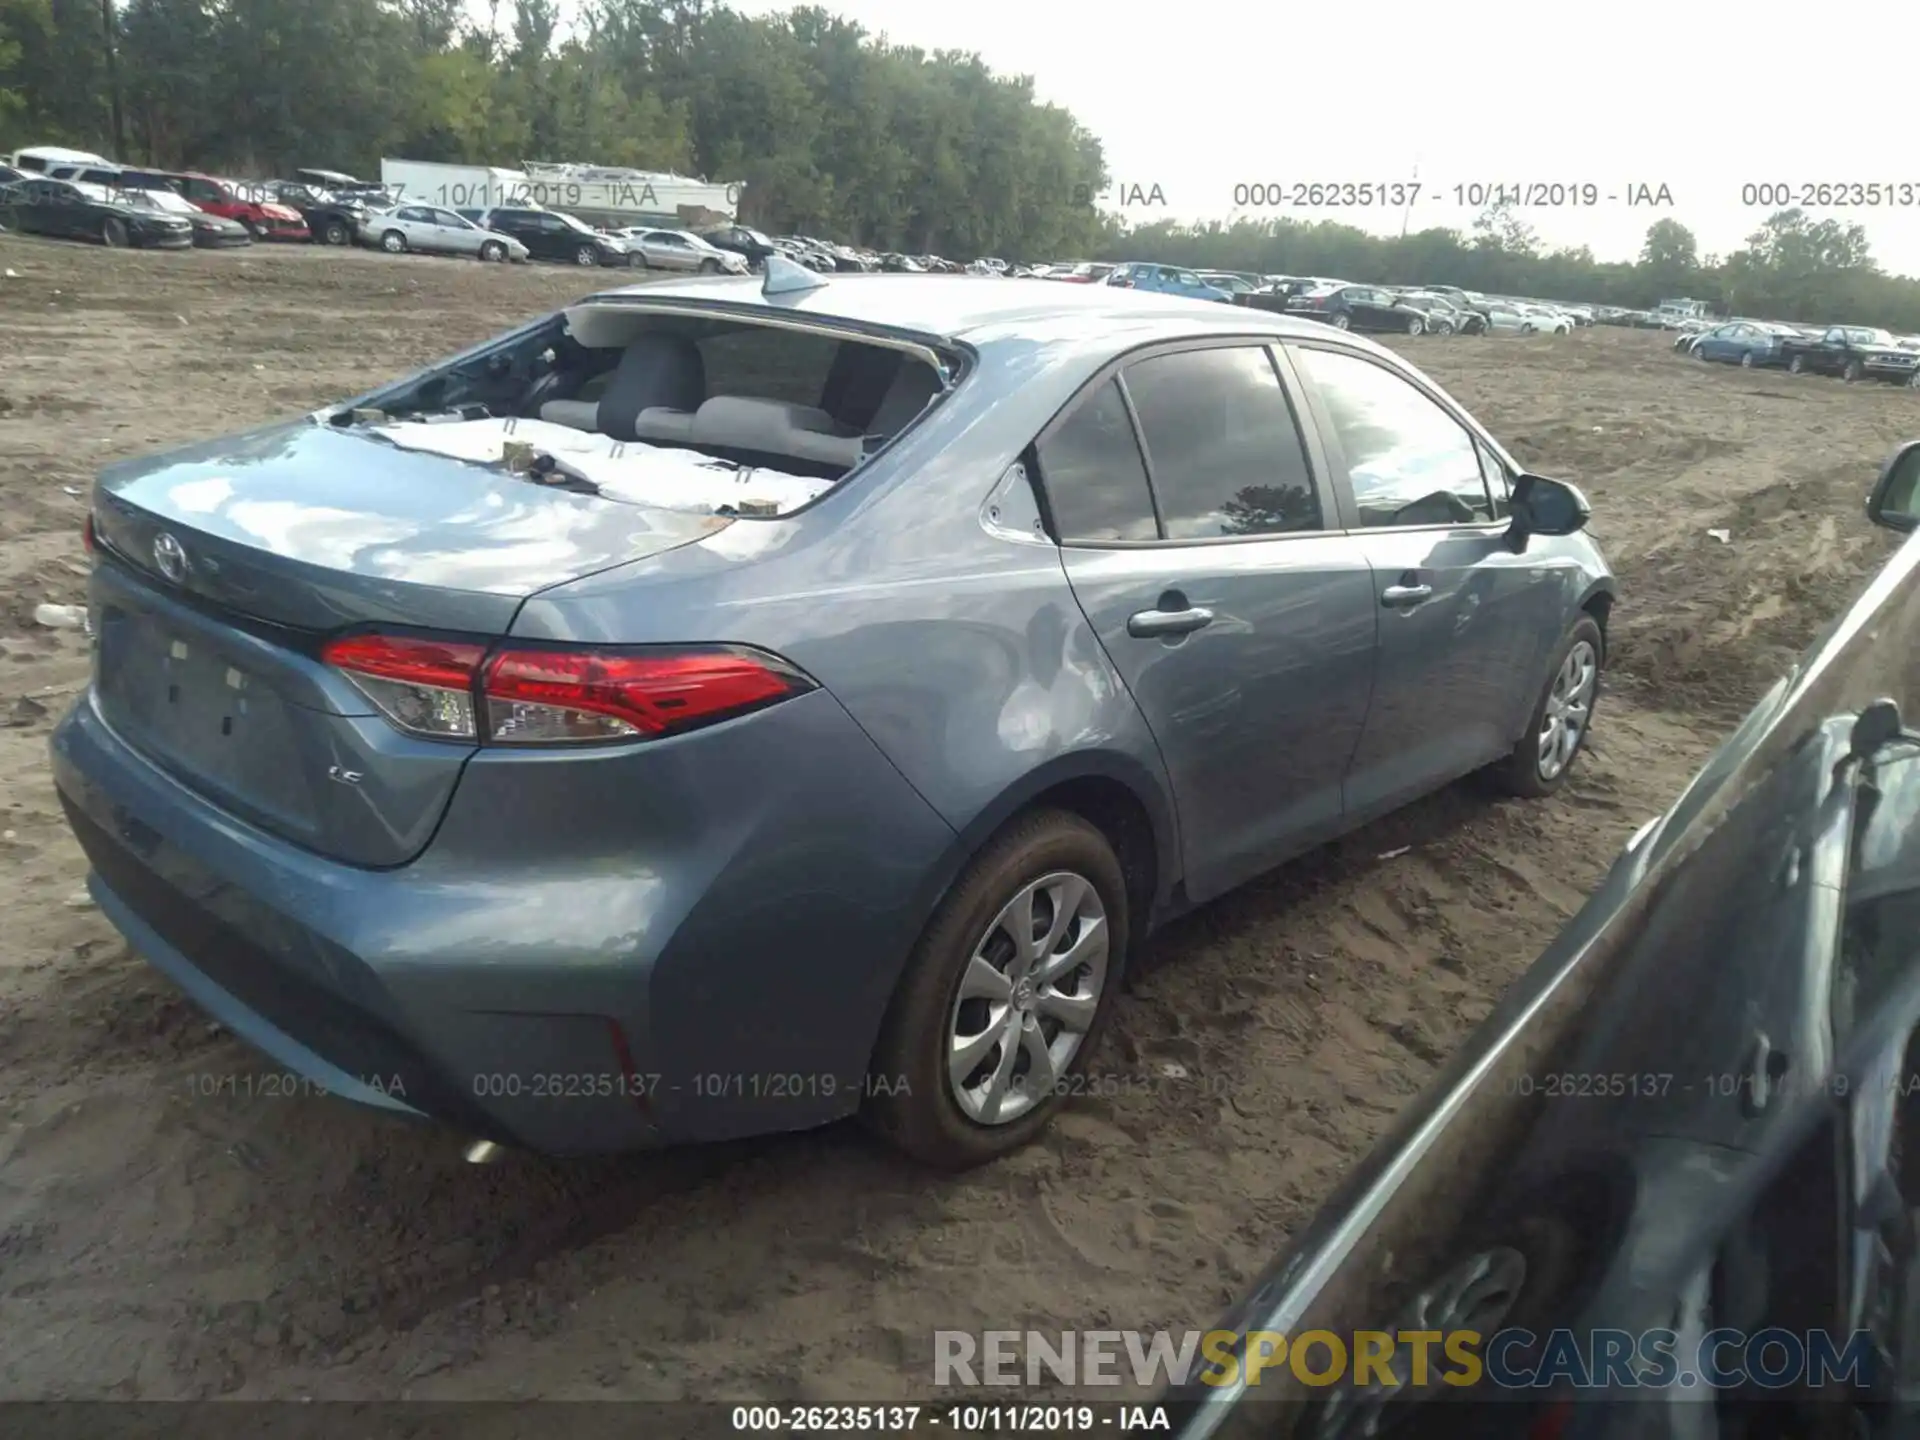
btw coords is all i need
(538, 977)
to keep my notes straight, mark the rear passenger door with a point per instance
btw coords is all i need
(1465, 624)
(1197, 532)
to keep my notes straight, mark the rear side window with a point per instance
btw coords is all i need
(1095, 480)
(1227, 456)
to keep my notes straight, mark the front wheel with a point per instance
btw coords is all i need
(113, 234)
(493, 252)
(1796, 366)
(586, 255)
(394, 243)
(1557, 730)
(709, 267)
(1005, 996)
(1852, 372)
(335, 232)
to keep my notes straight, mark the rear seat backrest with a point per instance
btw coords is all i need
(913, 387)
(657, 371)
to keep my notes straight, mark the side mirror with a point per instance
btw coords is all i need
(1894, 503)
(1548, 507)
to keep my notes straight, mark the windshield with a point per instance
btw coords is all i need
(1870, 337)
(165, 200)
(573, 223)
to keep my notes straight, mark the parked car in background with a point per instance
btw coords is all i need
(1231, 284)
(805, 252)
(1543, 320)
(1444, 316)
(76, 210)
(253, 206)
(750, 244)
(555, 235)
(331, 219)
(470, 727)
(41, 159)
(433, 230)
(1690, 1126)
(901, 265)
(1752, 344)
(680, 250)
(1164, 280)
(371, 193)
(1356, 307)
(210, 232)
(1853, 352)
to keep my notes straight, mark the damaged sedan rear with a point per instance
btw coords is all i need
(725, 706)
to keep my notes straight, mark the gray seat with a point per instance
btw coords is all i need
(774, 427)
(658, 372)
(914, 385)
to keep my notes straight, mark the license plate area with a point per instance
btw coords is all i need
(176, 694)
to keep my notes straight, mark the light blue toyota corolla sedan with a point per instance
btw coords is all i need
(728, 705)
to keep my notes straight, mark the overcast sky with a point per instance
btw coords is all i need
(1700, 96)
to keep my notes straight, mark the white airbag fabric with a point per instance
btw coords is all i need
(639, 474)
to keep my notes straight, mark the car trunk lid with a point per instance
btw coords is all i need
(224, 567)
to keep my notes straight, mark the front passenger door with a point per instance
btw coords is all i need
(1466, 625)
(1195, 530)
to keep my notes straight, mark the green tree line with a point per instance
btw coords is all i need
(1793, 267)
(832, 130)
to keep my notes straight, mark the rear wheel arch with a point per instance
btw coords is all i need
(1599, 604)
(1115, 794)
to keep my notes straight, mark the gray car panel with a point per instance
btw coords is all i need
(727, 910)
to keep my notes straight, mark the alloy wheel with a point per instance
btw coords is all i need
(1569, 707)
(1027, 998)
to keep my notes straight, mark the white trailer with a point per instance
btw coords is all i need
(457, 187)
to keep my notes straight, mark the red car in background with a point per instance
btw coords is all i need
(253, 207)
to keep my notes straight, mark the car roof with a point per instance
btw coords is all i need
(960, 307)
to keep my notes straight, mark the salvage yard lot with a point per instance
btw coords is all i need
(175, 1223)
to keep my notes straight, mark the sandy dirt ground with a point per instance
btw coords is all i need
(164, 1233)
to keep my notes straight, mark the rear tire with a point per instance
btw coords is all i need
(1524, 771)
(1342, 322)
(1746, 360)
(913, 1100)
(1415, 325)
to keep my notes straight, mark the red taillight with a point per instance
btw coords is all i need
(86, 533)
(534, 696)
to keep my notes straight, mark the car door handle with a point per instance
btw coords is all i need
(1147, 624)
(1401, 595)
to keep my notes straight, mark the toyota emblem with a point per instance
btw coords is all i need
(171, 557)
